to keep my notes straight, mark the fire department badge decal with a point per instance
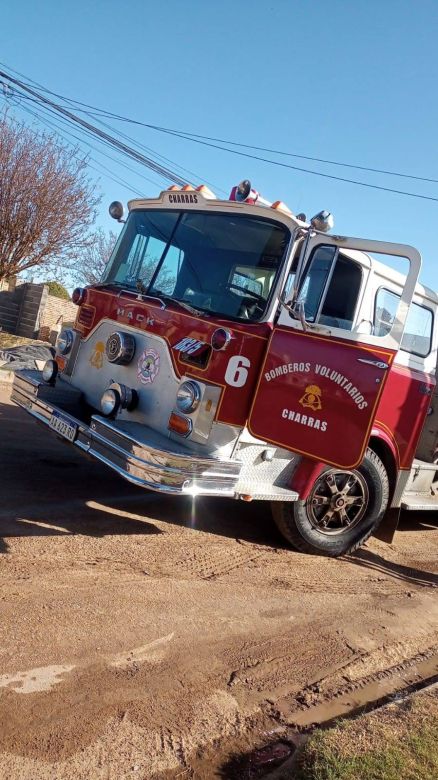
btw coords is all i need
(148, 366)
(312, 398)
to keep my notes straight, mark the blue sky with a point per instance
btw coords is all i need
(353, 82)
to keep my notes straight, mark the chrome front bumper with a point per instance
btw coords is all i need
(134, 451)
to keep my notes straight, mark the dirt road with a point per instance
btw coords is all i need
(148, 637)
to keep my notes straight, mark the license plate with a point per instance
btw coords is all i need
(63, 426)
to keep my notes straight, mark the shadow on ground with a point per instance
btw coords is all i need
(47, 488)
(378, 563)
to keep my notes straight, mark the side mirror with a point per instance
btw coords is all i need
(116, 210)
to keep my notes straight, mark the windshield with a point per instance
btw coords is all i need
(221, 264)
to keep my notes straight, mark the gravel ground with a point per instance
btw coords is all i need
(149, 637)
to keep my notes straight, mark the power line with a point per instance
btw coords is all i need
(136, 143)
(158, 168)
(198, 139)
(187, 135)
(109, 172)
(53, 125)
(298, 168)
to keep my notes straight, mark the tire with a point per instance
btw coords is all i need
(341, 512)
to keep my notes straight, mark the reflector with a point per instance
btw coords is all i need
(179, 424)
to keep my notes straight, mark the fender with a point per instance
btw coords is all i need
(305, 475)
(308, 470)
(385, 435)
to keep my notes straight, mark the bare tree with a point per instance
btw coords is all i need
(47, 202)
(89, 265)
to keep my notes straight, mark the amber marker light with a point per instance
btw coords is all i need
(61, 361)
(278, 205)
(172, 188)
(188, 188)
(179, 424)
(206, 192)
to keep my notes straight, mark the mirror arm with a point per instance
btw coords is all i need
(300, 264)
(296, 310)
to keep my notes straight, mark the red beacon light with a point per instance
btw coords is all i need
(244, 193)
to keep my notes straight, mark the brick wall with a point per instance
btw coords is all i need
(57, 313)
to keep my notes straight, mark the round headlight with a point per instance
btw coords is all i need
(65, 341)
(120, 348)
(79, 295)
(50, 371)
(110, 402)
(188, 397)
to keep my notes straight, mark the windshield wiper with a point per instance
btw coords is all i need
(183, 304)
(107, 284)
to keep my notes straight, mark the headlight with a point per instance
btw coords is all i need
(188, 397)
(65, 341)
(110, 402)
(79, 296)
(50, 371)
(118, 397)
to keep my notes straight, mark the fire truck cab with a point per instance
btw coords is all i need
(234, 349)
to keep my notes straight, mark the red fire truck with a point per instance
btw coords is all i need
(235, 349)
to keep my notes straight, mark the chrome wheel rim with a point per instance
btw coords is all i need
(338, 501)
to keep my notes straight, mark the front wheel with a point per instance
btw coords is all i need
(342, 510)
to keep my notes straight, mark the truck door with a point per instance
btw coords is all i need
(324, 372)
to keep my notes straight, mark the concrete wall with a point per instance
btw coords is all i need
(10, 304)
(33, 301)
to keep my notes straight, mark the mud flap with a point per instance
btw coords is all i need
(387, 528)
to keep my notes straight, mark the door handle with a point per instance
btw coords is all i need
(376, 363)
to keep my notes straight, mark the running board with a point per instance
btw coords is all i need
(420, 503)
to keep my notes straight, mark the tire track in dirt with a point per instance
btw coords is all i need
(336, 695)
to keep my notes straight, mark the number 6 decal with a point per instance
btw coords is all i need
(237, 371)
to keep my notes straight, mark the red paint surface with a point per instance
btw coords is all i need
(396, 409)
(305, 476)
(402, 410)
(173, 324)
(340, 421)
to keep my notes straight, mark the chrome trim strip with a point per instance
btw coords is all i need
(376, 363)
(137, 461)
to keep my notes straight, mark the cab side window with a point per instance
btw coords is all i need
(330, 289)
(343, 291)
(417, 337)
